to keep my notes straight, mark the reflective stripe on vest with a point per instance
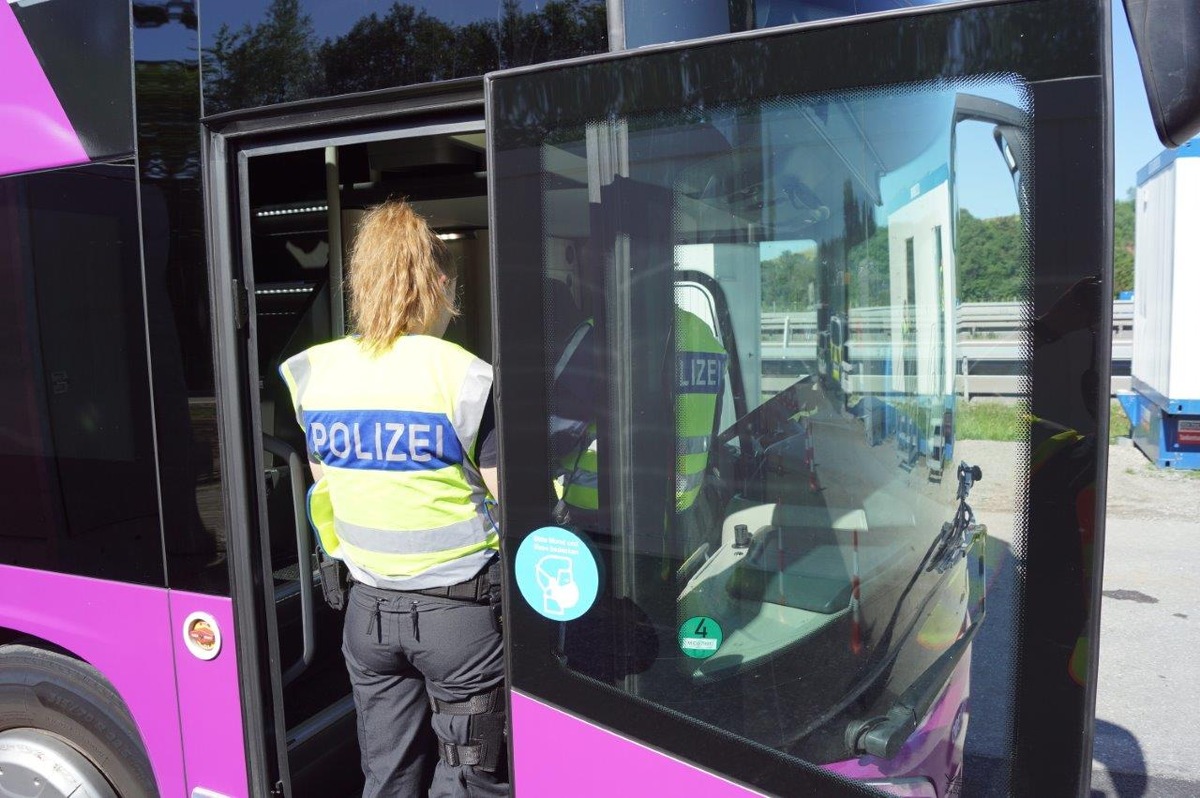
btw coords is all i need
(394, 434)
(582, 478)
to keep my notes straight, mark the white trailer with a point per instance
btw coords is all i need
(1164, 405)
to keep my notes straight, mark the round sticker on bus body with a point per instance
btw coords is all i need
(557, 573)
(700, 637)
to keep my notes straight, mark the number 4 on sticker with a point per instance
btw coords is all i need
(700, 637)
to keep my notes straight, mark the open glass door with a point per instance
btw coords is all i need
(736, 509)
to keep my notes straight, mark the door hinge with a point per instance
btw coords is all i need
(277, 790)
(241, 304)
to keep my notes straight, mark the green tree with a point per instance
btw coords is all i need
(992, 258)
(786, 279)
(870, 269)
(1123, 243)
(561, 29)
(271, 62)
(404, 47)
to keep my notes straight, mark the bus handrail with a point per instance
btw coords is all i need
(304, 552)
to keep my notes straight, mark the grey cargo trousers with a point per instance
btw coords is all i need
(401, 650)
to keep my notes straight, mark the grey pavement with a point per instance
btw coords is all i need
(1148, 698)
(1147, 733)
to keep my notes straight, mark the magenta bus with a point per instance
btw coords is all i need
(823, 614)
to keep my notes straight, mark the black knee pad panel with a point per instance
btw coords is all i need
(487, 731)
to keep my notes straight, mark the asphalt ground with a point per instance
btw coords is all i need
(1147, 731)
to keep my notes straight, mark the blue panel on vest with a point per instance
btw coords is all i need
(700, 372)
(382, 440)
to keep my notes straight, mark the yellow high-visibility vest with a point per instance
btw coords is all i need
(401, 501)
(699, 383)
(699, 380)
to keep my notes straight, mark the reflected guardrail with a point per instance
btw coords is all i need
(990, 350)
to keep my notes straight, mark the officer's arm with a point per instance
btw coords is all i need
(317, 471)
(486, 454)
(491, 478)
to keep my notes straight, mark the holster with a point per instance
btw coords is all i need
(335, 581)
(335, 578)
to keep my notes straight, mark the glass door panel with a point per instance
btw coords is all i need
(739, 387)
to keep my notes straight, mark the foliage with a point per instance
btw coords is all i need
(1123, 246)
(991, 421)
(990, 257)
(561, 29)
(1000, 421)
(870, 276)
(395, 50)
(786, 280)
(280, 59)
(271, 62)
(1118, 422)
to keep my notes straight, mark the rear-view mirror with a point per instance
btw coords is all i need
(1165, 33)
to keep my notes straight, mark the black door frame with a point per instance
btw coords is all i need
(228, 140)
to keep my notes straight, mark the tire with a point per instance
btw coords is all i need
(53, 698)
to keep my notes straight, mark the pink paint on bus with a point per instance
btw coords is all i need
(133, 635)
(552, 750)
(35, 132)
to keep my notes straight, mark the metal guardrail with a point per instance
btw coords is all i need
(973, 319)
(988, 338)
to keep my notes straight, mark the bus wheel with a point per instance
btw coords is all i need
(65, 732)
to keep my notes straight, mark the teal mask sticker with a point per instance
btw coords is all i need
(700, 637)
(557, 574)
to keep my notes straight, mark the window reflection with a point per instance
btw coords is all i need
(263, 53)
(655, 21)
(76, 440)
(792, 334)
(167, 90)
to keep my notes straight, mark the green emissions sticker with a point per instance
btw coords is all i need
(700, 637)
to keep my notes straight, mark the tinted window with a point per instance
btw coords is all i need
(261, 53)
(654, 21)
(76, 438)
(167, 87)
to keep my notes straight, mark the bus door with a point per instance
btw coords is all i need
(291, 204)
(766, 599)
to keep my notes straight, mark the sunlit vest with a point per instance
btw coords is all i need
(699, 382)
(401, 501)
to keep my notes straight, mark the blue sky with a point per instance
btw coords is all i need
(1136, 141)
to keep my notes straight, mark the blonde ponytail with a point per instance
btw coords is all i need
(398, 273)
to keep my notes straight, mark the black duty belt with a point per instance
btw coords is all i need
(477, 589)
(483, 588)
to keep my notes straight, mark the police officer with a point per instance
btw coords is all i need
(698, 381)
(396, 421)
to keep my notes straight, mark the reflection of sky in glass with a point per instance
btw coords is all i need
(170, 42)
(939, 111)
(786, 12)
(987, 189)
